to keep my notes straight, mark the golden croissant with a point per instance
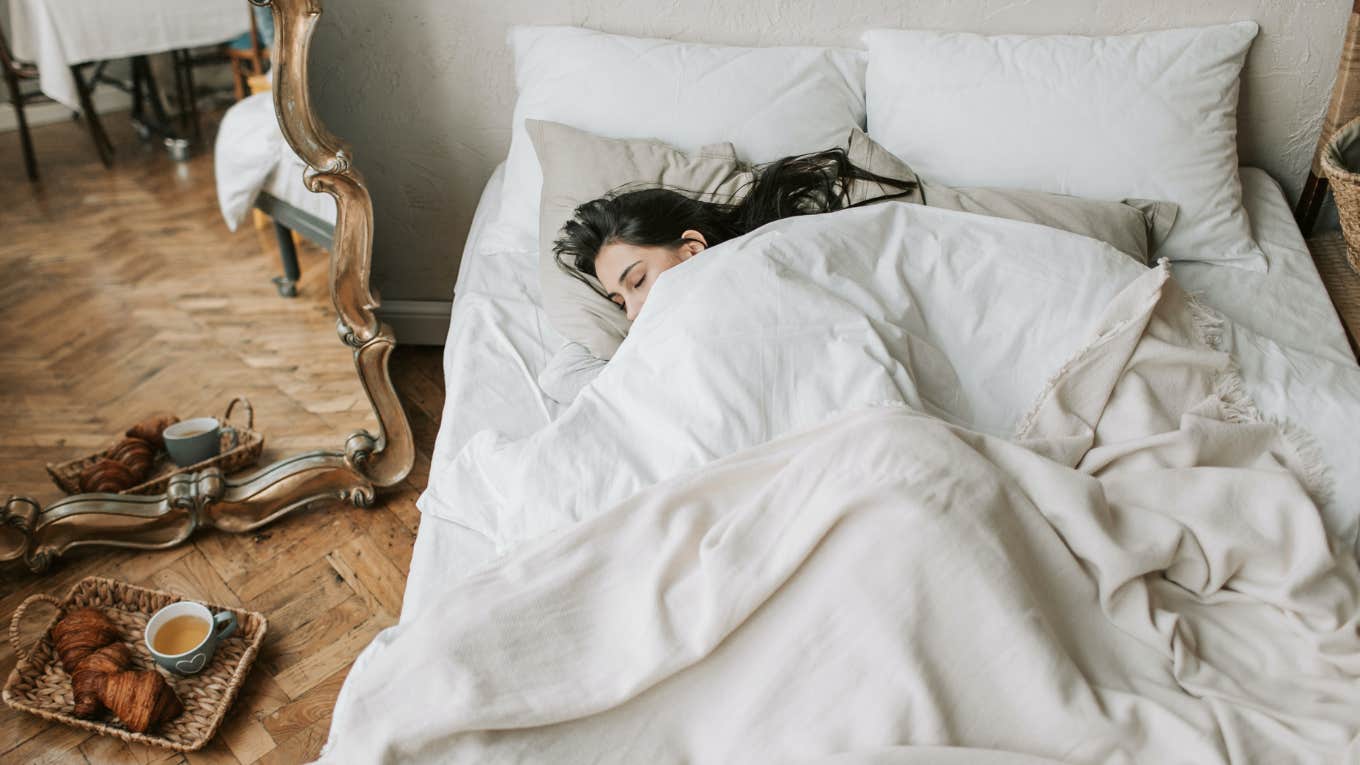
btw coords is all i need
(142, 700)
(107, 475)
(152, 429)
(88, 679)
(80, 633)
(135, 454)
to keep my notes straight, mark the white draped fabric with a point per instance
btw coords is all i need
(54, 34)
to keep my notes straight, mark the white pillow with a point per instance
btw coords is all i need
(1150, 115)
(768, 102)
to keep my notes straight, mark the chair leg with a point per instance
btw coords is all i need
(287, 283)
(153, 92)
(26, 140)
(16, 99)
(95, 123)
(192, 96)
(238, 80)
(178, 71)
(102, 145)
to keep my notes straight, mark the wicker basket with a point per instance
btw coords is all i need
(40, 686)
(1341, 163)
(249, 446)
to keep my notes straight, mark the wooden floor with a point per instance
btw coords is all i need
(123, 294)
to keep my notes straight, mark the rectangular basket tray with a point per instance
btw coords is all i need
(66, 475)
(40, 686)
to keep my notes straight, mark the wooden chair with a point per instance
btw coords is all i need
(15, 72)
(247, 60)
(247, 56)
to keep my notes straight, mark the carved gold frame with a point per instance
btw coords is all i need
(36, 536)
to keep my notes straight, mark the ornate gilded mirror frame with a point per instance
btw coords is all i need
(36, 536)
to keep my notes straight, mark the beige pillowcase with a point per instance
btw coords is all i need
(579, 166)
(1134, 226)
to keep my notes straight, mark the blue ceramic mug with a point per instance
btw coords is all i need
(193, 441)
(193, 633)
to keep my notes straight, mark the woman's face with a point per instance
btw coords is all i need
(628, 271)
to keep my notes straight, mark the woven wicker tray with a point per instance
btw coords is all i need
(38, 685)
(250, 445)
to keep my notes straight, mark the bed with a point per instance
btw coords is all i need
(255, 168)
(693, 620)
(499, 340)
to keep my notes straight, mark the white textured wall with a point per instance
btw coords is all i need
(424, 89)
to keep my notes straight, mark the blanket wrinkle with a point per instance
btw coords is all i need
(1238, 406)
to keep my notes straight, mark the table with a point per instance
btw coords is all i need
(64, 36)
(56, 34)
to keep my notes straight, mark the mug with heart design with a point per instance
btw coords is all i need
(182, 636)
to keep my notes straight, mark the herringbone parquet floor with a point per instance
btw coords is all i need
(121, 294)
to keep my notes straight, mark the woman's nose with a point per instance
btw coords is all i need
(634, 306)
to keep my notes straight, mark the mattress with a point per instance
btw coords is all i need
(499, 340)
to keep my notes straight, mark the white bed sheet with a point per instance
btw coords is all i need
(499, 340)
(250, 155)
(1287, 303)
(285, 184)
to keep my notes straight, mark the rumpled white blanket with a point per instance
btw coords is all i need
(957, 315)
(1139, 575)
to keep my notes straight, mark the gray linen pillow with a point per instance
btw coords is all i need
(579, 166)
(1135, 227)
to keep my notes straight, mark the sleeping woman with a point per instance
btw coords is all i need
(626, 240)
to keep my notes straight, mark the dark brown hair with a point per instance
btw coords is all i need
(656, 217)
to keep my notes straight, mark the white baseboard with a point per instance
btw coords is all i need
(105, 100)
(417, 322)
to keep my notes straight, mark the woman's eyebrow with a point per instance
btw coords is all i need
(624, 275)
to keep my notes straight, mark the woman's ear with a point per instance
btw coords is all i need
(694, 241)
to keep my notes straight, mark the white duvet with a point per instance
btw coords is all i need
(957, 315)
(890, 485)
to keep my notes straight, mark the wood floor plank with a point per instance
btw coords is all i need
(193, 578)
(312, 637)
(131, 298)
(304, 746)
(57, 745)
(306, 595)
(309, 708)
(246, 738)
(367, 571)
(325, 658)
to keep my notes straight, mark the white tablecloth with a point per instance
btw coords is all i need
(54, 34)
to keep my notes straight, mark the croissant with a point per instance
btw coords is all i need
(152, 429)
(136, 454)
(142, 700)
(107, 475)
(88, 679)
(80, 633)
